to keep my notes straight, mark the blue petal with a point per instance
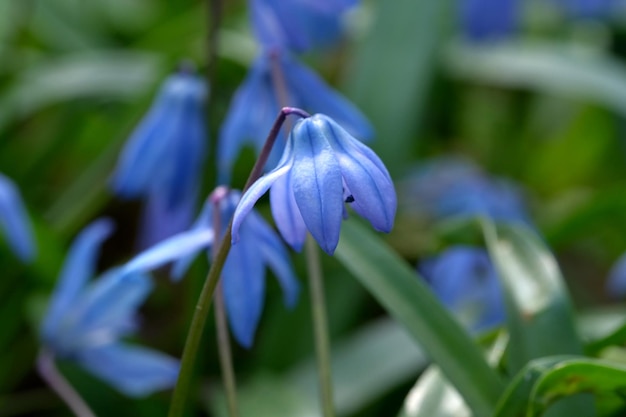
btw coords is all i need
(286, 212)
(372, 189)
(487, 20)
(161, 219)
(243, 283)
(145, 159)
(465, 280)
(250, 117)
(133, 370)
(78, 269)
(316, 96)
(259, 188)
(204, 222)
(297, 24)
(14, 221)
(175, 248)
(276, 256)
(107, 309)
(317, 184)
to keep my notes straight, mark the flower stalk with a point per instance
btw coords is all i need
(55, 380)
(320, 326)
(198, 321)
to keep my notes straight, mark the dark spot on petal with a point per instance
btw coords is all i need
(350, 199)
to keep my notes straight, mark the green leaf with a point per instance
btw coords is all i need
(105, 75)
(539, 313)
(606, 380)
(406, 297)
(552, 68)
(514, 401)
(603, 328)
(434, 396)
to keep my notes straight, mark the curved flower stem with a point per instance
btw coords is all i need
(198, 321)
(320, 326)
(49, 372)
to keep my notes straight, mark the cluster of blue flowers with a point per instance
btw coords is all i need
(323, 169)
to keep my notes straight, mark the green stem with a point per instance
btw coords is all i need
(320, 326)
(226, 360)
(197, 326)
(198, 321)
(223, 340)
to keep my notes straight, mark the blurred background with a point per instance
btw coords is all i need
(531, 94)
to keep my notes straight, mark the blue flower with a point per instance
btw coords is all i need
(451, 187)
(322, 168)
(85, 321)
(162, 160)
(14, 221)
(465, 281)
(256, 105)
(298, 25)
(243, 276)
(488, 20)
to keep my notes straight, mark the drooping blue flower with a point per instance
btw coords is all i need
(323, 167)
(489, 20)
(243, 275)
(85, 321)
(162, 161)
(256, 105)
(298, 25)
(464, 279)
(14, 222)
(453, 187)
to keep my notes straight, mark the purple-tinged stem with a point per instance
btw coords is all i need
(55, 380)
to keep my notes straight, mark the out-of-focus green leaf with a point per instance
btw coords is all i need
(539, 313)
(366, 365)
(602, 328)
(553, 68)
(369, 363)
(407, 298)
(105, 75)
(433, 396)
(514, 402)
(392, 72)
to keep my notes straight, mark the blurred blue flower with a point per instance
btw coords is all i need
(243, 276)
(453, 187)
(465, 280)
(85, 321)
(298, 25)
(616, 282)
(489, 20)
(322, 168)
(256, 105)
(588, 8)
(14, 222)
(162, 160)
